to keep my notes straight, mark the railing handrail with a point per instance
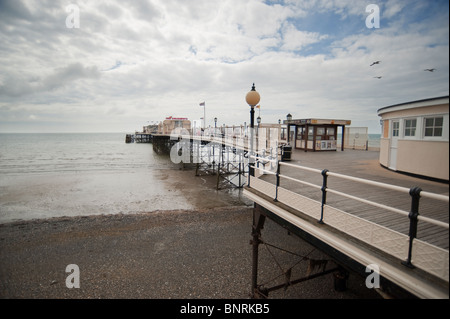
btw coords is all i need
(370, 182)
(315, 170)
(392, 209)
(362, 180)
(434, 196)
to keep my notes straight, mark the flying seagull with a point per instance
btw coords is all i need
(430, 70)
(376, 62)
(377, 77)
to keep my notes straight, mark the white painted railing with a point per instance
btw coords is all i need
(414, 252)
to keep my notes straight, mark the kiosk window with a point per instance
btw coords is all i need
(310, 133)
(300, 133)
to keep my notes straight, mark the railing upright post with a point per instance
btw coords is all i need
(257, 160)
(239, 174)
(278, 181)
(250, 170)
(324, 193)
(414, 192)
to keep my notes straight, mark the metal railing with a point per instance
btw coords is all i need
(415, 193)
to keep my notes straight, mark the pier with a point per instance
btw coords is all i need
(343, 203)
(139, 137)
(359, 214)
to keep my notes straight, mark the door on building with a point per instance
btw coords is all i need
(292, 133)
(395, 131)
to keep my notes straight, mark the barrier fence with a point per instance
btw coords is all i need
(412, 251)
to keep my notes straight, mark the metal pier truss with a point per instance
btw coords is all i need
(229, 161)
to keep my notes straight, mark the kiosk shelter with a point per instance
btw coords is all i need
(315, 134)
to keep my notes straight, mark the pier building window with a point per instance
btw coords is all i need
(300, 133)
(433, 126)
(330, 133)
(320, 133)
(325, 133)
(283, 133)
(310, 133)
(395, 128)
(410, 127)
(291, 133)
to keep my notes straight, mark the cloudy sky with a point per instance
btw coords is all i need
(130, 63)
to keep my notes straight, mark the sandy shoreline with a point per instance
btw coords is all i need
(159, 255)
(36, 196)
(199, 251)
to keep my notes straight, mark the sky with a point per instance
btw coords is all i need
(115, 66)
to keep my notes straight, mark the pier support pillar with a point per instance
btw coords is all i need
(258, 224)
(340, 279)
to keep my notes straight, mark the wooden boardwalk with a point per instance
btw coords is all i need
(358, 228)
(365, 164)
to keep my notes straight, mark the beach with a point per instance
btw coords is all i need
(202, 254)
(137, 226)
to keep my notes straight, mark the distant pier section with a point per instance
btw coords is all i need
(146, 136)
(163, 128)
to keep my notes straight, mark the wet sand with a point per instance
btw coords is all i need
(27, 197)
(199, 251)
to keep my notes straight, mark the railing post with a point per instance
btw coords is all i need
(250, 169)
(278, 181)
(239, 174)
(414, 192)
(324, 193)
(218, 176)
(257, 160)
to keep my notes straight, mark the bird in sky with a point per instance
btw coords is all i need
(376, 62)
(430, 70)
(377, 77)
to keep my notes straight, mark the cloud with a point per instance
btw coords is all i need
(17, 86)
(135, 61)
(12, 10)
(295, 40)
(69, 74)
(393, 7)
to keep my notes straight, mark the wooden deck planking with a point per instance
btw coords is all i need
(348, 163)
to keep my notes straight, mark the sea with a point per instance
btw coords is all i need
(75, 174)
(374, 140)
(55, 175)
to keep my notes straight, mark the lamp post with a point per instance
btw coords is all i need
(214, 146)
(289, 119)
(252, 98)
(258, 120)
